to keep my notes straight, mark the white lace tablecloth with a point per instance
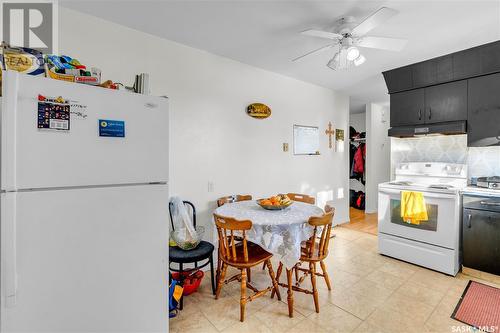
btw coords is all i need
(280, 232)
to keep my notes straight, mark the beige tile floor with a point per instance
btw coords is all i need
(371, 293)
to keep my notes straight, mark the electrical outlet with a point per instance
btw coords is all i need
(210, 186)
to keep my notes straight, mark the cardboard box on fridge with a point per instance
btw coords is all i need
(56, 76)
(94, 79)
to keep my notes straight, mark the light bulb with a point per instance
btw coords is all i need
(352, 53)
(359, 60)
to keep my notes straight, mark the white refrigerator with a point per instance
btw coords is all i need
(84, 208)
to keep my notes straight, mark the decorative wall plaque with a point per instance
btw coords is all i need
(258, 110)
(340, 134)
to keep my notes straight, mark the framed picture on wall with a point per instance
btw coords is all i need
(305, 140)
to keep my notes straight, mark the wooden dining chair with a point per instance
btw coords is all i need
(223, 201)
(312, 252)
(301, 197)
(233, 198)
(241, 255)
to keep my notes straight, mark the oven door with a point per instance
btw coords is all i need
(441, 229)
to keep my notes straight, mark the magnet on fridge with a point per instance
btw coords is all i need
(111, 128)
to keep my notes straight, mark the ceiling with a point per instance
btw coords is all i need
(265, 33)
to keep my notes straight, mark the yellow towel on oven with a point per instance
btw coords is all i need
(413, 209)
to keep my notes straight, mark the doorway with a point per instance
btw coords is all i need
(370, 164)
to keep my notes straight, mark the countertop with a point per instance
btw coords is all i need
(480, 190)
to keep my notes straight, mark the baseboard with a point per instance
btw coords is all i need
(340, 223)
(481, 275)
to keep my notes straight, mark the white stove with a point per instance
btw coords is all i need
(433, 243)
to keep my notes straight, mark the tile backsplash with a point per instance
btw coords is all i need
(484, 161)
(481, 161)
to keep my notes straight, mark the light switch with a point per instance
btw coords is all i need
(210, 186)
(285, 147)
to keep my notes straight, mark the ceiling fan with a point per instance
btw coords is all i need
(349, 36)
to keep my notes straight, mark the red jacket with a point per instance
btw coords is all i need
(359, 162)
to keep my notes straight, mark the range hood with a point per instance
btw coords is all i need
(447, 128)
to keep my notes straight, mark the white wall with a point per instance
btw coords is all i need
(378, 153)
(358, 121)
(212, 138)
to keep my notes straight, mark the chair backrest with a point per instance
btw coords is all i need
(324, 222)
(227, 228)
(329, 208)
(189, 206)
(233, 198)
(302, 197)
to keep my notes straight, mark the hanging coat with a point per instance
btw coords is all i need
(359, 162)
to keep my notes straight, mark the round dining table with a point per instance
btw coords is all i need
(279, 232)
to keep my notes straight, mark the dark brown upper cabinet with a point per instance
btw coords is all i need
(490, 58)
(477, 61)
(408, 108)
(460, 89)
(483, 120)
(424, 73)
(441, 103)
(466, 63)
(432, 72)
(399, 79)
(444, 69)
(446, 102)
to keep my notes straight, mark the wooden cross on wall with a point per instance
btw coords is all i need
(330, 132)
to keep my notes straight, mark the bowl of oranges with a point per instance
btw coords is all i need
(277, 202)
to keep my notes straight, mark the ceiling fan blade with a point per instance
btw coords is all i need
(372, 21)
(322, 34)
(326, 47)
(383, 43)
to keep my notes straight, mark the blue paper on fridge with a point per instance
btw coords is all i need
(112, 128)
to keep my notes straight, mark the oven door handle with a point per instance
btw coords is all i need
(426, 194)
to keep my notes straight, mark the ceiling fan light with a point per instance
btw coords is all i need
(359, 60)
(352, 53)
(334, 62)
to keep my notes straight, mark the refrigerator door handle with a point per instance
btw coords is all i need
(9, 260)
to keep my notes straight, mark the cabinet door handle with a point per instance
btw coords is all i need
(419, 114)
(430, 113)
(469, 221)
